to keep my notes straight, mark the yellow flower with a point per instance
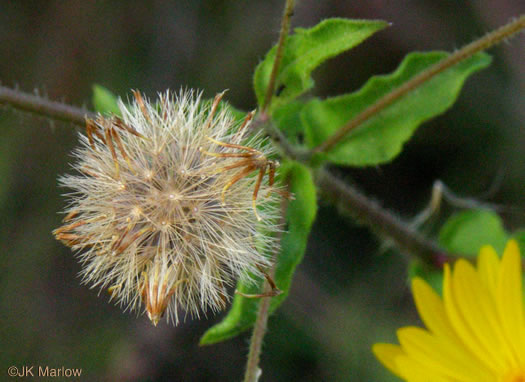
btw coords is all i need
(476, 333)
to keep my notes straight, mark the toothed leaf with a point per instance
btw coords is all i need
(305, 50)
(381, 137)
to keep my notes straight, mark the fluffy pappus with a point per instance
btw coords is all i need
(167, 206)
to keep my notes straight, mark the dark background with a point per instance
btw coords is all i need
(347, 294)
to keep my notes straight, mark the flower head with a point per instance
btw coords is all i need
(160, 212)
(476, 333)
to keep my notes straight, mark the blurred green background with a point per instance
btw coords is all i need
(347, 294)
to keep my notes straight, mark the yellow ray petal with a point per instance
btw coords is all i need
(387, 354)
(413, 371)
(476, 334)
(478, 308)
(457, 321)
(441, 357)
(488, 265)
(510, 301)
(431, 310)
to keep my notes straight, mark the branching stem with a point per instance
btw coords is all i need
(467, 51)
(44, 107)
(349, 199)
(382, 222)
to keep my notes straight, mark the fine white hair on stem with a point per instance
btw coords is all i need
(156, 211)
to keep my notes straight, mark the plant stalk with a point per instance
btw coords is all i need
(410, 243)
(253, 371)
(285, 28)
(44, 107)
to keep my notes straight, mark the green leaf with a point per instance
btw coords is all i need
(306, 50)
(105, 101)
(241, 317)
(466, 232)
(300, 215)
(381, 138)
(288, 119)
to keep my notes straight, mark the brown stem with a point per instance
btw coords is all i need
(44, 107)
(467, 51)
(285, 27)
(259, 329)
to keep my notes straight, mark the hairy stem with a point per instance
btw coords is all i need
(43, 107)
(259, 329)
(361, 207)
(467, 51)
(379, 220)
(285, 27)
